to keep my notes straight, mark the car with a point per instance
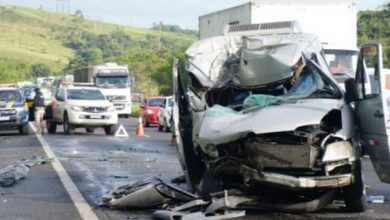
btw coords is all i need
(87, 107)
(13, 110)
(262, 118)
(150, 108)
(164, 116)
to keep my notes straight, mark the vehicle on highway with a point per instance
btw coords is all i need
(13, 110)
(262, 117)
(165, 114)
(113, 80)
(150, 108)
(86, 107)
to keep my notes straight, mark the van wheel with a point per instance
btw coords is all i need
(355, 194)
(110, 129)
(51, 127)
(24, 130)
(68, 128)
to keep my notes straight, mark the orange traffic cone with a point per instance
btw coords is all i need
(139, 131)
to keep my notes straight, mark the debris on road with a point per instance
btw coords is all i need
(119, 176)
(376, 199)
(174, 203)
(148, 193)
(171, 215)
(11, 174)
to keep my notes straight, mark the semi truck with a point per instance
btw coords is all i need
(114, 82)
(334, 21)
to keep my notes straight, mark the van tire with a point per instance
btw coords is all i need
(51, 127)
(110, 129)
(24, 129)
(355, 194)
(68, 128)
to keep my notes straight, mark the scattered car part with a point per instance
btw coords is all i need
(173, 215)
(146, 193)
(11, 174)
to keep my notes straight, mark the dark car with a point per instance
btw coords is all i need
(13, 110)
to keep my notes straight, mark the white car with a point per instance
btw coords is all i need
(164, 116)
(82, 107)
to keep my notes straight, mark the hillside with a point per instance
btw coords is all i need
(31, 36)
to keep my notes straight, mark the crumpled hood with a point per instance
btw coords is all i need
(220, 125)
(206, 58)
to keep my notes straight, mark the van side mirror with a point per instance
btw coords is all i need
(350, 90)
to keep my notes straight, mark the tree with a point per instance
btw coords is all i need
(39, 70)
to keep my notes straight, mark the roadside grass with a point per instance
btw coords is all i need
(37, 36)
(135, 111)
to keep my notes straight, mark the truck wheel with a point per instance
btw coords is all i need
(110, 129)
(355, 194)
(68, 128)
(90, 130)
(24, 130)
(51, 127)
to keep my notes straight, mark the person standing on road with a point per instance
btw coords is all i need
(39, 110)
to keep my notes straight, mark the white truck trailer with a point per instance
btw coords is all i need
(114, 82)
(334, 21)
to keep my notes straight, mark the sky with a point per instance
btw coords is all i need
(143, 13)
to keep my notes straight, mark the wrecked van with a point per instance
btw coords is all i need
(261, 116)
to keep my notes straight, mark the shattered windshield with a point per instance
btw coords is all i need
(85, 94)
(112, 81)
(309, 84)
(306, 82)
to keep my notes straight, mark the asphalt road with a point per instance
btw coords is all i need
(97, 163)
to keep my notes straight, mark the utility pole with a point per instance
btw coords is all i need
(63, 5)
(159, 36)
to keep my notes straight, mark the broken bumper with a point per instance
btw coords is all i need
(298, 182)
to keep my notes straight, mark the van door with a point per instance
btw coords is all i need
(192, 165)
(372, 108)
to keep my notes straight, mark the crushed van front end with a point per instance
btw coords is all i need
(262, 116)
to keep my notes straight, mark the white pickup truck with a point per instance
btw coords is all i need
(82, 107)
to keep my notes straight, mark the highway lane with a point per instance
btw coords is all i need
(98, 163)
(41, 194)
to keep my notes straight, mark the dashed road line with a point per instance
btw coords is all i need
(81, 204)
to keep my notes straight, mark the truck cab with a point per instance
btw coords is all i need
(113, 80)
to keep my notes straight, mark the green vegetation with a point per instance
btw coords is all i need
(375, 25)
(135, 111)
(36, 43)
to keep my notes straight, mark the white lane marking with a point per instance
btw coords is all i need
(82, 206)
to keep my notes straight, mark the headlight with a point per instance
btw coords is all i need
(149, 111)
(77, 108)
(20, 109)
(110, 108)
